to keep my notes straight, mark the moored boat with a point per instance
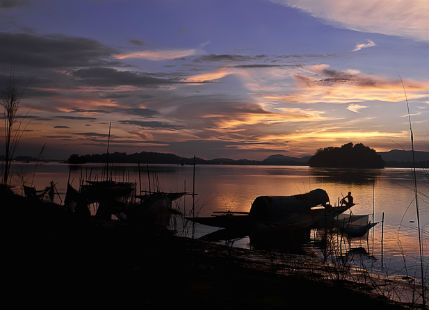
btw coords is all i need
(279, 212)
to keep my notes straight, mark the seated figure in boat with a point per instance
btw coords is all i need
(348, 200)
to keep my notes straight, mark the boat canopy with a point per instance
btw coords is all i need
(268, 206)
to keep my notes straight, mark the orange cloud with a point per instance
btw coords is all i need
(331, 135)
(331, 86)
(87, 103)
(210, 76)
(236, 120)
(158, 55)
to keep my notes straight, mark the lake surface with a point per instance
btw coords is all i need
(220, 188)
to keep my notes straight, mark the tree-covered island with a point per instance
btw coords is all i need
(347, 156)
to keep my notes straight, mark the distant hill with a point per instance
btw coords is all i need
(401, 158)
(279, 159)
(394, 158)
(165, 158)
(347, 156)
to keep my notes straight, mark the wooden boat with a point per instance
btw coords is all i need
(278, 212)
(353, 225)
(355, 231)
(226, 219)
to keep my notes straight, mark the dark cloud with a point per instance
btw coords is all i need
(112, 77)
(226, 57)
(262, 66)
(59, 137)
(222, 108)
(75, 117)
(151, 124)
(137, 42)
(29, 117)
(34, 92)
(336, 77)
(305, 56)
(137, 111)
(9, 4)
(108, 109)
(91, 134)
(61, 126)
(53, 51)
(77, 110)
(256, 66)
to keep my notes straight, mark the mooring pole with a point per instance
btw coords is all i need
(140, 178)
(184, 206)
(107, 153)
(373, 214)
(193, 200)
(148, 176)
(382, 236)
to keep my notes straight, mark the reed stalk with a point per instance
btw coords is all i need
(416, 199)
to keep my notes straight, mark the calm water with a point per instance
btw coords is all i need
(234, 188)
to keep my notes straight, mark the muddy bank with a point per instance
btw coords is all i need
(52, 259)
(116, 267)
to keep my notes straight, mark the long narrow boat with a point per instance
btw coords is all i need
(279, 212)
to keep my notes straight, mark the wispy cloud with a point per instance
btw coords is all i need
(209, 76)
(356, 107)
(136, 42)
(336, 134)
(323, 84)
(399, 18)
(158, 55)
(227, 58)
(369, 43)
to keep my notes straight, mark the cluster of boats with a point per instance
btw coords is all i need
(276, 214)
(110, 200)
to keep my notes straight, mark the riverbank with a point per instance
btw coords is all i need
(120, 267)
(116, 270)
(53, 259)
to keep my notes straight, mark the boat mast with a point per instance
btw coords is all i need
(107, 153)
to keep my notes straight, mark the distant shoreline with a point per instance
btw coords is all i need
(387, 165)
(393, 159)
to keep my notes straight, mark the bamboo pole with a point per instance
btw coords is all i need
(382, 236)
(140, 178)
(107, 153)
(148, 176)
(193, 200)
(373, 214)
(417, 202)
(184, 205)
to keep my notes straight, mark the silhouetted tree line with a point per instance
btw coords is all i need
(165, 158)
(347, 156)
(117, 157)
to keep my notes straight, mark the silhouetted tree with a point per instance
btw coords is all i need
(347, 156)
(9, 99)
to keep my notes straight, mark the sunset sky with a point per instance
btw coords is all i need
(217, 78)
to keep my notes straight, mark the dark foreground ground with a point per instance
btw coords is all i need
(49, 259)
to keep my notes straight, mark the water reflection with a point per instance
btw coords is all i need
(235, 187)
(346, 176)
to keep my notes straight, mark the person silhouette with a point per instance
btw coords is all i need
(348, 200)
